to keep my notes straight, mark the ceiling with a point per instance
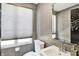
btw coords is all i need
(61, 6)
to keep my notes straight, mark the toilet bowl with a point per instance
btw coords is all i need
(38, 46)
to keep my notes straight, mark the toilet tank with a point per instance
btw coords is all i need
(38, 45)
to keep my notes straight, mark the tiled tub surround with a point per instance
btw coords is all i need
(11, 51)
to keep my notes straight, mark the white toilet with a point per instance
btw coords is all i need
(38, 46)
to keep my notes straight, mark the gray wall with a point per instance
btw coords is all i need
(64, 24)
(44, 22)
(11, 51)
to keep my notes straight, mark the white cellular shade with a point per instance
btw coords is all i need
(16, 22)
(8, 21)
(24, 22)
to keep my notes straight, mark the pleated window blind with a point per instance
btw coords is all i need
(16, 22)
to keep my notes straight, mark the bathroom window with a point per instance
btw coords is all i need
(16, 23)
(7, 42)
(53, 26)
(25, 40)
(13, 43)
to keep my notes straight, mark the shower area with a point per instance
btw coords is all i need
(75, 26)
